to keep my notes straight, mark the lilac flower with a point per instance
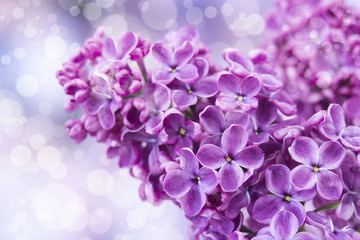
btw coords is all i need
(265, 114)
(178, 131)
(285, 196)
(237, 235)
(213, 122)
(334, 127)
(190, 184)
(242, 66)
(317, 165)
(103, 101)
(232, 157)
(350, 200)
(128, 81)
(120, 49)
(158, 100)
(328, 229)
(75, 129)
(175, 63)
(237, 92)
(284, 226)
(135, 113)
(185, 94)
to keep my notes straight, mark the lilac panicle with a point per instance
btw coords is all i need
(242, 149)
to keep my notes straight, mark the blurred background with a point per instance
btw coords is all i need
(50, 187)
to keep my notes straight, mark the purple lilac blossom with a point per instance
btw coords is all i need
(240, 148)
(317, 163)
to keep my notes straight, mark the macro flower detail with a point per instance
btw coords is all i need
(317, 163)
(237, 92)
(178, 131)
(190, 184)
(232, 157)
(334, 127)
(283, 226)
(285, 196)
(175, 63)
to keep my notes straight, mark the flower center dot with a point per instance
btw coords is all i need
(190, 91)
(287, 198)
(241, 98)
(316, 169)
(182, 131)
(256, 133)
(198, 178)
(174, 70)
(228, 159)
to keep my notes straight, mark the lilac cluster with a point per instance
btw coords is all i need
(316, 44)
(229, 145)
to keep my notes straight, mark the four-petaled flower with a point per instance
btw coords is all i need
(190, 184)
(316, 165)
(175, 63)
(232, 157)
(285, 196)
(237, 92)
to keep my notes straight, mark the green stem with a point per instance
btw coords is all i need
(332, 205)
(142, 67)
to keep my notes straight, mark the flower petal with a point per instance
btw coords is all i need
(297, 209)
(250, 157)
(241, 64)
(162, 76)
(212, 120)
(162, 53)
(109, 49)
(222, 224)
(177, 183)
(183, 54)
(126, 44)
(229, 84)
(351, 138)
(208, 179)
(270, 82)
(266, 207)
(278, 179)
(234, 139)
(182, 99)
(304, 195)
(94, 102)
(303, 177)
(304, 150)
(187, 73)
(202, 66)
(162, 97)
(329, 185)
(266, 113)
(106, 117)
(226, 103)
(237, 202)
(305, 236)
(284, 225)
(193, 201)
(331, 155)
(250, 86)
(211, 156)
(189, 162)
(205, 87)
(345, 208)
(236, 117)
(337, 116)
(231, 177)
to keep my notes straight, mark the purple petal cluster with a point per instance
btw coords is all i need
(257, 149)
